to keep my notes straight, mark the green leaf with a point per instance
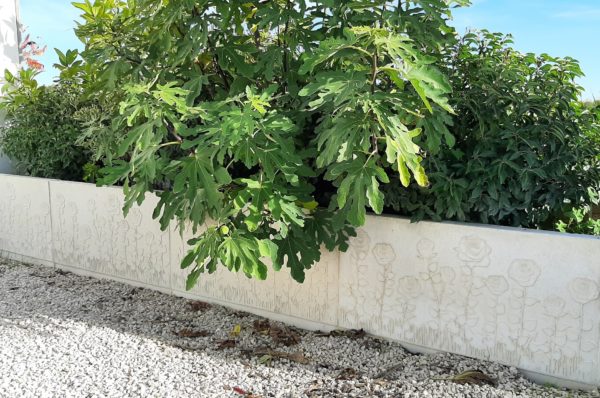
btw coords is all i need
(193, 277)
(268, 248)
(240, 251)
(430, 84)
(375, 196)
(188, 259)
(357, 182)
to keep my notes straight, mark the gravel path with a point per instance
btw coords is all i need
(62, 335)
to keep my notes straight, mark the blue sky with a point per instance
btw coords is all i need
(557, 27)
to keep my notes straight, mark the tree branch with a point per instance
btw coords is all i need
(220, 71)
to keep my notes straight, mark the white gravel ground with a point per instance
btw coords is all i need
(62, 335)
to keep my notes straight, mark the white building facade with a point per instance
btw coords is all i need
(9, 53)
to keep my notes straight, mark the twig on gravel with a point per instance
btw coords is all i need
(279, 335)
(229, 343)
(389, 370)
(476, 377)
(351, 333)
(348, 374)
(245, 393)
(294, 356)
(199, 306)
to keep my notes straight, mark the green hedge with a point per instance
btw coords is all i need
(526, 150)
(40, 130)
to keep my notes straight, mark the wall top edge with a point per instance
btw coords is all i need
(369, 216)
(56, 181)
(492, 227)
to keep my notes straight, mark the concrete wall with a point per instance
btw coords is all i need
(9, 53)
(529, 299)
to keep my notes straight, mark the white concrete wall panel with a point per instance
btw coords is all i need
(523, 298)
(90, 233)
(25, 224)
(315, 300)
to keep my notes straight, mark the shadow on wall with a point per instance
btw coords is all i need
(9, 59)
(5, 165)
(9, 55)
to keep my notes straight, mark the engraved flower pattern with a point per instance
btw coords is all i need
(134, 218)
(524, 272)
(496, 284)
(554, 306)
(384, 253)
(426, 249)
(473, 250)
(409, 286)
(360, 244)
(583, 290)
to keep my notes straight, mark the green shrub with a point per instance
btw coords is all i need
(275, 120)
(581, 220)
(526, 150)
(39, 131)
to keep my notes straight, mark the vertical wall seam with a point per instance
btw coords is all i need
(338, 283)
(51, 225)
(18, 27)
(170, 260)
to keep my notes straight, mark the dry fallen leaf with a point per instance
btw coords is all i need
(389, 370)
(262, 326)
(241, 391)
(192, 333)
(199, 306)
(351, 333)
(241, 314)
(297, 357)
(294, 356)
(265, 359)
(284, 336)
(473, 377)
(347, 374)
(237, 329)
(314, 387)
(229, 343)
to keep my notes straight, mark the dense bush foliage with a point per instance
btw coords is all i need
(40, 127)
(61, 130)
(526, 150)
(273, 119)
(580, 221)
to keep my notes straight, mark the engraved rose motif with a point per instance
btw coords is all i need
(409, 286)
(472, 249)
(384, 253)
(425, 249)
(134, 218)
(583, 290)
(360, 244)
(10, 192)
(524, 272)
(496, 284)
(554, 306)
